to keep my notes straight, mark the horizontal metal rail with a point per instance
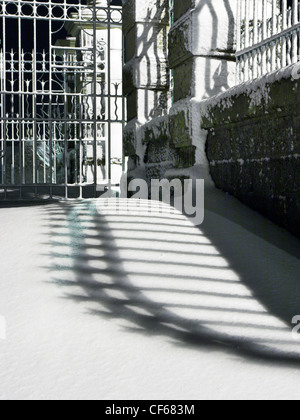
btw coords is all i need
(275, 38)
(268, 37)
(49, 11)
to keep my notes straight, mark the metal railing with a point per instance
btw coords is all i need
(268, 35)
(61, 104)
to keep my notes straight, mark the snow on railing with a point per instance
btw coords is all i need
(268, 36)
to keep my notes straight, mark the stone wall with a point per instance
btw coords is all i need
(145, 72)
(254, 146)
(199, 48)
(201, 55)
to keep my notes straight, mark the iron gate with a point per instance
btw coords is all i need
(61, 97)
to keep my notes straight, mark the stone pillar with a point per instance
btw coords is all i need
(201, 55)
(83, 34)
(146, 75)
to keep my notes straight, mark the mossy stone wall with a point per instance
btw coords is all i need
(253, 149)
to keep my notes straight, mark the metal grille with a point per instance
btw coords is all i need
(61, 97)
(268, 36)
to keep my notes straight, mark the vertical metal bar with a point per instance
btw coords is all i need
(242, 14)
(50, 120)
(22, 123)
(255, 38)
(65, 64)
(295, 20)
(109, 90)
(255, 22)
(123, 112)
(94, 93)
(35, 103)
(264, 34)
(4, 162)
(238, 26)
(2, 117)
(274, 30)
(238, 40)
(284, 26)
(81, 129)
(20, 71)
(247, 21)
(23, 118)
(11, 121)
(247, 40)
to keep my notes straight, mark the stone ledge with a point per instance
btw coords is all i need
(253, 147)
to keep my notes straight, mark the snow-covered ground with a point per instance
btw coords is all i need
(106, 304)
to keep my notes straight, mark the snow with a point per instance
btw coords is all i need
(102, 303)
(257, 90)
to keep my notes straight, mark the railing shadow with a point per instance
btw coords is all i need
(265, 256)
(163, 277)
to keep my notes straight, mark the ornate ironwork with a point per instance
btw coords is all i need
(56, 96)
